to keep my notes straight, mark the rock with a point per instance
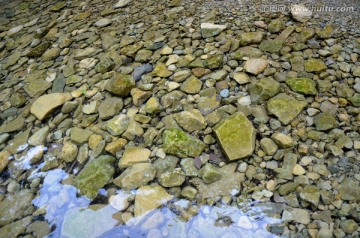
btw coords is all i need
(314, 65)
(255, 66)
(301, 216)
(69, 152)
(325, 121)
(141, 70)
(18, 143)
(149, 198)
(122, 3)
(241, 78)
(298, 170)
(15, 206)
(300, 13)
(37, 87)
(120, 200)
(16, 228)
(46, 104)
(105, 65)
(268, 145)
(214, 61)
(14, 125)
(209, 173)
(120, 84)
(285, 108)
(355, 100)
(276, 25)
(283, 140)
(188, 166)
(38, 50)
(181, 144)
(349, 189)
(172, 178)
(80, 136)
(324, 33)
(117, 125)
(5, 157)
(133, 130)
(133, 156)
(91, 108)
(349, 226)
(247, 51)
(236, 135)
(110, 107)
(263, 89)
(58, 6)
(115, 146)
(304, 86)
(94, 176)
(190, 120)
(51, 54)
(189, 192)
(311, 194)
(139, 96)
(272, 46)
(135, 176)
(192, 85)
(103, 22)
(211, 30)
(249, 38)
(161, 70)
(17, 100)
(153, 106)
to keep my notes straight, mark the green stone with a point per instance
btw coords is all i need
(37, 87)
(306, 34)
(355, 100)
(247, 51)
(135, 176)
(325, 121)
(38, 50)
(276, 25)
(161, 70)
(173, 178)
(236, 135)
(179, 143)
(314, 65)
(251, 38)
(131, 50)
(304, 86)
(188, 166)
(58, 6)
(214, 61)
(324, 33)
(105, 65)
(311, 194)
(285, 108)
(192, 85)
(120, 84)
(80, 136)
(272, 46)
(264, 89)
(209, 173)
(94, 176)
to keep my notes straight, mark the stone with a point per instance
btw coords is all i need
(190, 120)
(349, 189)
(189, 192)
(135, 176)
(141, 70)
(51, 54)
(134, 130)
(15, 206)
(325, 121)
(115, 146)
(152, 106)
(69, 152)
(5, 157)
(11, 60)
(349, 226)
(241, 78)
(276, 25)
(211, 30)
(46, 104)
(120, 201)
(285, 108)
(314, 65)
(117, 125)
(17, 100)
(192, 85)
(209, 173)
(91, 108)
(94, 176)
(133, 156)
(249, 38)
(14, 125)
(172, 178)
(304, 86)
(298, 170)
(38, 50)
(300, 13)
(122, 3)
(247, 51)
(79, 136)
(58, 6)
(110, 107)
(105, 65)
(149, 198)
(236, 135)
(214, 61)
(161, 70)
(103, 22)
(355, 100)
(271, 46)
(139, 96)
(283, 140)
(19, 142)
(263, 89)
(188, 166)
(179, 143)
(324, 33)
(301, 216)
(37, 87)
(311, 194)
(255, 66)
(16, 228)
(268, 145)
(120, 84)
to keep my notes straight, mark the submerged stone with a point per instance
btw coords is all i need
(94, 176)
(181, 144)
(236, 135)
(209, 173)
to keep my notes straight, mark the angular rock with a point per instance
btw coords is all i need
(192, 85)
(255, 66)
(211, 30)
(38, 50)
(325, 121)
(135, 176)
(263, 89)
(149, 198)
(110, 107)
(272, 46)
(141, 70)
(236, 135)
(133, 156)
(173, 178)
(314, 65)
(209, 173)
(304, 86)
(247, 51)
(5, 157)
(120, 84)
(46, 104)
(117, 125)
(80, 136)
(249, 38)
(283, 140)
(285, 108)
(190, 120)
(181, 144)
(94, 176)
(122, 3)
(311, 194)
(300, 13)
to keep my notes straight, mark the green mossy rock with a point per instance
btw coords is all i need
(276, 25)
(271, 46)
(251, 38)
(120, 84)
(94, 176)
(209, 173)
(247, 51)
(355, 100)
(314, 65)
(325, 32)
(304, 86)
(214, 61)
(264, 89)
(105, 65)
(38, 50)
(325, 121)
(236, 135)
(285, 108)
(179, 143)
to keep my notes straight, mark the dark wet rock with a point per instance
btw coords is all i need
(141, 70)
(38, 50)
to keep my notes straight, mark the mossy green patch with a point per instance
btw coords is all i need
(304, 86)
